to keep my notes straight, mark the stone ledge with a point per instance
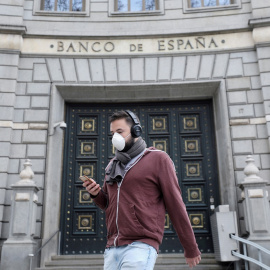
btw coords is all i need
(238, 122)
(36, 126)
(261, 35)
(250, 121)
(260, 22)
(13, 29)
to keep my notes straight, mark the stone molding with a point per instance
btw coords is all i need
(261, 35)
(136, 70)
(13, 29)
(260, 22)
(204, 43)
(11, 42)
(62, 92)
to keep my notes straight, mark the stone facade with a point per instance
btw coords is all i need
(36, 82)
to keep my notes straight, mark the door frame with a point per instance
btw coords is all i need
(62, 93)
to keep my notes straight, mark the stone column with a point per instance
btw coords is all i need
(261, 35)
(20, 243)
(256, 210)
(11, 30)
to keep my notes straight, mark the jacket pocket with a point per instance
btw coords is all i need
(128, 223)
(111, 221)
(147, 213)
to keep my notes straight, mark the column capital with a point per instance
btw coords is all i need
(12, 29)
(11, 37)
(261, 35)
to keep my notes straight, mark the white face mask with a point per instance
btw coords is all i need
(118, 141)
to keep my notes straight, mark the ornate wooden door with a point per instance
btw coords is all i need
(184, 130)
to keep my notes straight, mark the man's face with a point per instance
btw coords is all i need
(120, 126)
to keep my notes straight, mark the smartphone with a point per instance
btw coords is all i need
(85, 178)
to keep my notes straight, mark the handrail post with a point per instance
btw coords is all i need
(31, 260)
(20, 242)
(259, 255)
(254, 198)
(245, 253)
(246, 243)
(31, 256)
(59, 243)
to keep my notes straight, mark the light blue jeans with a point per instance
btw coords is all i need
(136, 256)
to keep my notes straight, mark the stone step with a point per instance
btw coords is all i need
(164, 261)
(157, 267)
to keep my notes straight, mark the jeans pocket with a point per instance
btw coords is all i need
(142, 245)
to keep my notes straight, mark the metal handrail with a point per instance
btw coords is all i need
(31, 256)
(245, 257)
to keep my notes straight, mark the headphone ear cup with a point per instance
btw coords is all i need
(136, 131)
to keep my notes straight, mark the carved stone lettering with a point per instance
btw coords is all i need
(96, 47)
(212, 42)
(200, 41)
(60, 46)
(83, 46)
(71, 47)
(132, 47)
(171, 45)
(109, 47)
(180, 42)
(186, 44)
(161, 46)
(168, 45)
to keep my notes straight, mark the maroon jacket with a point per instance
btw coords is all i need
(135, 209)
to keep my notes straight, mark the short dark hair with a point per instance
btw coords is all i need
(121, 115)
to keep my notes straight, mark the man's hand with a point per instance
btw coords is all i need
(92, 188)
(193, 261)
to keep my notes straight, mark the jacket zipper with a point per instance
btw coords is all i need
(118, 195)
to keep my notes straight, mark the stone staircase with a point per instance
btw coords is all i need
(164, 261)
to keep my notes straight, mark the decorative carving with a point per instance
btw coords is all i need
(159, 124)
(190, 123)
(167, 222)
(85, 222)
(88, 125)
(196, 220)
(160, 145)
(194, 195)
(84, 197)
(193, 169)
(87, 170)
(251, 171)
(87, 148)
(191, 146)
(26, 174)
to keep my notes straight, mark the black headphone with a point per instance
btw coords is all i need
(136, 129)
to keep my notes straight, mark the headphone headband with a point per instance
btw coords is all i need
(136, 129)
(133, 117)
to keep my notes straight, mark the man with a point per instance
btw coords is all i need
(139, 186)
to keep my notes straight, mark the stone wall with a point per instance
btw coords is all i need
(31, 99)
(173, 19)
(26, 81)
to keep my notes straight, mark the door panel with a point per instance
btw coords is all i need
(184, 130)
